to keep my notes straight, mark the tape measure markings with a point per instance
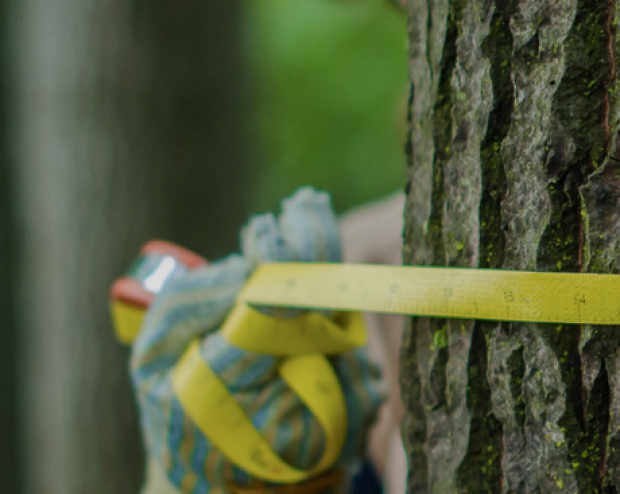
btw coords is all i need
(429, 292)
(207, 401)
(501, 295)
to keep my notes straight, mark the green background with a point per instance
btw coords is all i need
(329, 89)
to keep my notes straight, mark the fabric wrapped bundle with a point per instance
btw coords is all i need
(195, 306)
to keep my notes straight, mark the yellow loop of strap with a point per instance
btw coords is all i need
(302, 335)
(214, 410)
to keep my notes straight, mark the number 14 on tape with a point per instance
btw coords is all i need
(500, 295)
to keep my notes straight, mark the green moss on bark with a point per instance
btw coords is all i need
(516, 364)
(498, 47)
(543, 401)
(480, 471)
(414, 431)
(442, 134)
(581, 105)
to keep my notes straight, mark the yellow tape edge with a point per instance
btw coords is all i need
(127, 321)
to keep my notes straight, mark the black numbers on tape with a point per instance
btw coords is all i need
(509, 296)
(580, 299)
(324, 388)
(256, 455)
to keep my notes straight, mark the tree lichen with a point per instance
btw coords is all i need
(514, 164)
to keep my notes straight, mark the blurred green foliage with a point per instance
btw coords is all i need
(329, 89)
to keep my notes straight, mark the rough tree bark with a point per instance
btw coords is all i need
(129, 124)
(515, 164)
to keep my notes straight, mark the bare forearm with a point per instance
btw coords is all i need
(373, 234)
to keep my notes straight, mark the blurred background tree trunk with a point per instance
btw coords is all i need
(9, 443)
(514, 164)
(129, 126)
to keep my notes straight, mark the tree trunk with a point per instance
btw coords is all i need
(9, 467)
(514, 164)
(129, 123)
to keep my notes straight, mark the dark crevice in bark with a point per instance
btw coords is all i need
(602, 345)
(562, 241)
(498, 47)
(418, 480)
(602, 202)
(564, 339)
(516, 364)
(584, 422)
(578, 145)
(429, 39)
(614, 53)
(409, 141)
(613, 459)
(439, 378)
(580, 137)
(588, 448)
(442, 133)
(601, 198)
(594, 441)
(480, 471)
(530, 51)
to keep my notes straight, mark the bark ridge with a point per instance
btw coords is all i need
(514, 162)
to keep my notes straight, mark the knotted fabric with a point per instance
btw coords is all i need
(194, 306)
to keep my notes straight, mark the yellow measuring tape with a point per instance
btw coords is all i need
(433, 292)
(210, 405)
(127, 320)
(499, 295)
(303, 341)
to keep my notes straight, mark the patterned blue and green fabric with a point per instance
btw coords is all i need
(194, 306)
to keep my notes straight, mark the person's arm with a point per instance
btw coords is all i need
(372, 234)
